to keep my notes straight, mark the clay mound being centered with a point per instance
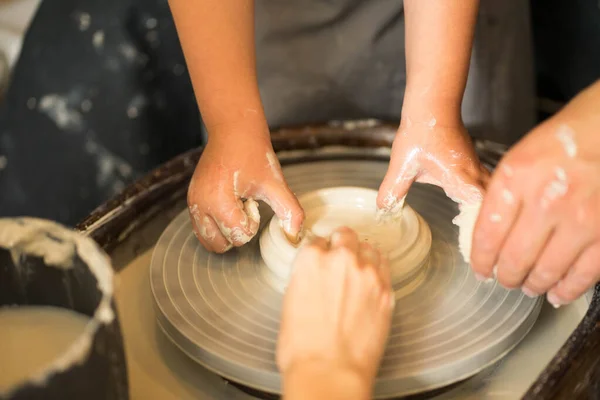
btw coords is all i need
(405, 239)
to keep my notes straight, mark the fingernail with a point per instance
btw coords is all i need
(554, 300)
(480, 277)
(335, 236)
(529, 293)
(291, 238)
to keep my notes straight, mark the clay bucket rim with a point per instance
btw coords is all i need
(99, 266)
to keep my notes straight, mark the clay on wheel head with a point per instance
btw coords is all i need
(405, 241)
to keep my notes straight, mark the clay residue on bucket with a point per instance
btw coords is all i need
(20, 236)
(58, 246)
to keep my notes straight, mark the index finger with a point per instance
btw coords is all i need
(499, 211)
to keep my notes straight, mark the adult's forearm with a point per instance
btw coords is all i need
(439, 39)
(316, 382)
(217, 38)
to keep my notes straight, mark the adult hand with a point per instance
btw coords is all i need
(234, 172)
(336, 314)
(430, 153)
(539, 224)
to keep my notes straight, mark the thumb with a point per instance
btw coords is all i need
(393, 190)
(287, 208)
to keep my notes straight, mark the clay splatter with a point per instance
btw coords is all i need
(495, 217)
(432, 122)
(151, 23)
(86, 105)
(566, 137)
(84, 20)
(58, 109)
(135, 106)
(507, 196)
(98, 40)
(557, 188)
(131, 54)
(112, 171)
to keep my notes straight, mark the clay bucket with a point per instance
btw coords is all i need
(45, 264)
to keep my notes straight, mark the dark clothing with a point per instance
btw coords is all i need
(101, 94)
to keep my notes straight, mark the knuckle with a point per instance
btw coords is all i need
(584, 278)
(481, 262)
(544, 277)
(344, 230)
(533, 286)
(346, 252)
(512, 262)
(507, 281)
(299, 214)
(568, 291)
(512, 275)
(587, 216)
(481, 241)
(373, 279)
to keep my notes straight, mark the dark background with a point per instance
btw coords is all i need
(100, 95)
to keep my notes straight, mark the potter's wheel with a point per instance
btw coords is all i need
(223, 311)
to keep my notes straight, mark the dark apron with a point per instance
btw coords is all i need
(94, 105)
(323, 60)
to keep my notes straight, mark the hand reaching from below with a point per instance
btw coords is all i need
(234, 172)
(337, 311)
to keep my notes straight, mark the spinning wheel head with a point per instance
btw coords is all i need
(224, 310)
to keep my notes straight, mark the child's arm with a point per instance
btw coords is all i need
(238, 165)
(218, 42)
(439, 36)
(432, 145)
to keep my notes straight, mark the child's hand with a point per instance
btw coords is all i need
(439, 155)
(234, 171)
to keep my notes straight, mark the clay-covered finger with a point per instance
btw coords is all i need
(286, 206)
(584, 274)
(207, 231)
(251, 210)
(560, 253)
(233, 221)
(499, 211)
(523, 245)
(394, 187)
(346, 238)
